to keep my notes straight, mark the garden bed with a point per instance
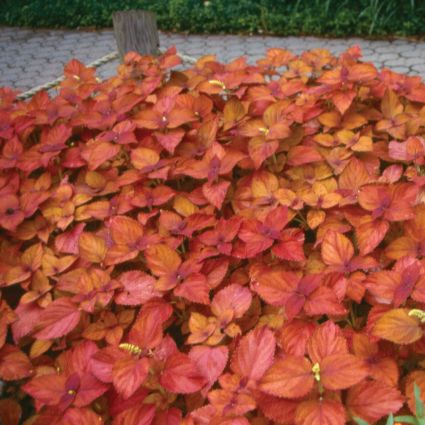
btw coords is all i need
(227, 244)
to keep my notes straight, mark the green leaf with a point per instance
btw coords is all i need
(407, 419)
(360, 421)
(419, 404)
(390, 420)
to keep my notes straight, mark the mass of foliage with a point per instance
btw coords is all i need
(283, 17)
(228, 244)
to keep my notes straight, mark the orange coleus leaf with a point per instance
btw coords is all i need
(380, 367)
(399, 326)
(392, 202)
(97, 153)
(341, 371)
(254, 354)
(92, 248)
(277, 409)
(290, 377)
(338, 254)
(144, 158)
(320, 412)
(14, 364)
(10, 411)
(162, 260)
(128, 374)
(373, 400)
(337, 250)
(415, 377)
(326, 341)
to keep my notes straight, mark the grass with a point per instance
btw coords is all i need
(337, 18)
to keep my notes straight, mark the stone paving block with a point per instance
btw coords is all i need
(399, 69)
(27, 56)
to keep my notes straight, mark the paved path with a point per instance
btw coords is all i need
(32, 57)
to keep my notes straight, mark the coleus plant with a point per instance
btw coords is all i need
(228, 244)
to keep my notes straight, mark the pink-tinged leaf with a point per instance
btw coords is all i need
(138, 288)
(254, 354)
(58, 319)
(195, 288)
(211, 361)
(170, 140)
(28, 317)
(181, 375)
(102, 362)
(128, 375)
(68, 242)
(89, 390)
(215, 192)
(233, 300)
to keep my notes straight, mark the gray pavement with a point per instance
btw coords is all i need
(32, 57)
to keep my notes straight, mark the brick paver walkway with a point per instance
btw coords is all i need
(32, 57)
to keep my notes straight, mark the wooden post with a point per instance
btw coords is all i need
(136, 31)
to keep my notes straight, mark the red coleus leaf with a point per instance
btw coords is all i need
(373, 400)
(215, 192)
(290, 377)
(254, 354)
(181, 375)
(58, 319)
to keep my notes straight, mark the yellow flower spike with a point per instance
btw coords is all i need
(131, 348)
(264, 130)
(72, 392)
(316, 371)
(218, 83)
(419, 314)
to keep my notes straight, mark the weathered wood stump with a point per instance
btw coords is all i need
(136, 30)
